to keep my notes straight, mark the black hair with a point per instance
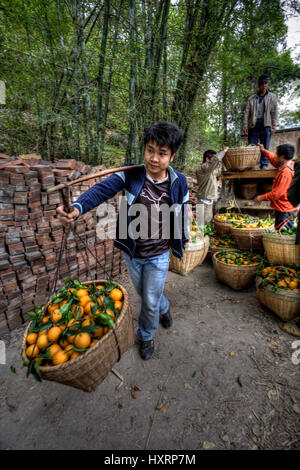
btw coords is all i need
(209, 154)
(164, 133)
(286, 150)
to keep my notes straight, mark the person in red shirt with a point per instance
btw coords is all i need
(282, 160)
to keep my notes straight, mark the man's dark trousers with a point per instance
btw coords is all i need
(261, 134)
(281, 216)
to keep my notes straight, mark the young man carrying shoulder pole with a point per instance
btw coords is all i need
(153, 185)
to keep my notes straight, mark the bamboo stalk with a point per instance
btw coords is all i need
(89, 177)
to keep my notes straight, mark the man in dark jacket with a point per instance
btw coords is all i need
(148, 189)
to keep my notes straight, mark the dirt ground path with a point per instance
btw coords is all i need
(223, 378)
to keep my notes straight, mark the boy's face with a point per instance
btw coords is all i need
(157, 159)
(280, 160)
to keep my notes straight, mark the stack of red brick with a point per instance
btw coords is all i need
(31, 236)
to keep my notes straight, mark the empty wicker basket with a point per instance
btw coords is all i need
(235, 276)
(193, 255)
(281, 249)
(285, 304)
(241, 158)
(87, 371)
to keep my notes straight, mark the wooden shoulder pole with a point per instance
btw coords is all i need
(89, 177)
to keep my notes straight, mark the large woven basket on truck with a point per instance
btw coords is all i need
(284, 303)
(281, 249)
(194, 254)
(241, 158)
(237, 276)
(88, 370)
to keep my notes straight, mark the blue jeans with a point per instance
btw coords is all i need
(263, 135)
(148, 276)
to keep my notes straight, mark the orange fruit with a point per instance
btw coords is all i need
(31, 338)
(55, 316)
(63, 302)
(81, 293)
(281, 284)
(43, 332)
(42, 341)
(53, 334)
(99, 332)
(52, 307)
(95, 341)
(110, 313)
(293, 284)
(64, 343)
(118, 304)
(73, 322)
(60, 357)
(84, 300)
(87, 322)
(32, 351)
(74, 355)
(87, 307)
(77, 310)
(69, 349)
(71, 339)
(46, 319)
(82, 340)
(116, 294)
(53, 349)
(62, 327)
(99, 287)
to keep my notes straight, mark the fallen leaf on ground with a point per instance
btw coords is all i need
(208, 445)
(187, 386)
(232, 353)
(256, 430)
(134, 389)
(296, 408)
(162, 406)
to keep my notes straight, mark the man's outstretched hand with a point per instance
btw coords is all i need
(261, 146)
(66, 218)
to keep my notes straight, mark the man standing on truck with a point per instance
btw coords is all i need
(261, 116)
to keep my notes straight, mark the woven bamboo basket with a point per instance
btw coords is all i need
(241, 158)
(285, 304)
(222, 227)
(248, 190)
(235, 276)
(248, 239)
(193, 255)
(212, 251)
(86, 372)
(281, 249)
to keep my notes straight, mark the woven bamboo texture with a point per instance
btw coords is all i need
(235, 276)
(190, 259)
(248, 239)
(87, 371)
(222, 227)
(241, 158)
(248, 190)
(281, 249)
(285, 304)
(212, 251)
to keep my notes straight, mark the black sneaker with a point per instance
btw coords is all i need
(146, 349)
(166, 320)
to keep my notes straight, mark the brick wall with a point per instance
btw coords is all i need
(31, 235)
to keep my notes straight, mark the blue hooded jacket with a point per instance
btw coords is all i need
(131, 184)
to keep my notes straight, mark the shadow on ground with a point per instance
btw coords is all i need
(222, 378)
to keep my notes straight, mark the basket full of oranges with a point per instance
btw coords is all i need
(77, 337)
(278, 288)
(236, 268)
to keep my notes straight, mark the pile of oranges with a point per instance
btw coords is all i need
(231, 216)
(77, 317)
(254, 224)
(281, 277)
(226, 241)
(238, 257)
